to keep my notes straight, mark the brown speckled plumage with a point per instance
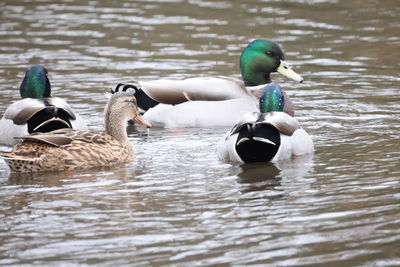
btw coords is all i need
(68, 150)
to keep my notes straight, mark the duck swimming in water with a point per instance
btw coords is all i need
(212, 101)
(270, 135)
(68, 149)
(37, 111)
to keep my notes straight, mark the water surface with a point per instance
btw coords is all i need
(177, 205)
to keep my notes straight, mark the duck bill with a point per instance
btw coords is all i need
(285, 70)
(141, 121)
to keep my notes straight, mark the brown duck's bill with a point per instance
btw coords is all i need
(285, 70)
(141, 121)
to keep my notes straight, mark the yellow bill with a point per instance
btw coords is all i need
(285, 70)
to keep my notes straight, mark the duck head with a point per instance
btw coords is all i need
(122, 107)
(272, 99)
(35, 83)
(262, 57)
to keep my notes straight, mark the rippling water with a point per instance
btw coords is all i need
(177, 204)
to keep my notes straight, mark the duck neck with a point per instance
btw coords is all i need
(251, 73)
(35, 85)
(254, 79)
(272, 99)
(115, 126)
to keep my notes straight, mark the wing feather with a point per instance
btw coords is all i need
(285, 123)
(176, 91)
(22, 110)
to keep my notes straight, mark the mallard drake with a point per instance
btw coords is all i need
(68, 149)
(211, 101)
(267, 136)
(37, 111)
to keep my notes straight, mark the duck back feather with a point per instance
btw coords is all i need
(263, 137)
(30, 115)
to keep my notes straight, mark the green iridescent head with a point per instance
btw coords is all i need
(272, 99)
(35, 83)
(259, 59)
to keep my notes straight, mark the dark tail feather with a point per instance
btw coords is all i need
(258, 143)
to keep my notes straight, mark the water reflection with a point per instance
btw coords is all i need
(274, 177)
(46, 179)
(57, 179)
(259, 176)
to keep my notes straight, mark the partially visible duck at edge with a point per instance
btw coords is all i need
(212, 101)
(69, 150)
(270, 135)
(37, 110)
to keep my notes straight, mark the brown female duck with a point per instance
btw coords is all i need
(67, 149)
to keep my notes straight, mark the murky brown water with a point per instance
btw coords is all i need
(177, 205)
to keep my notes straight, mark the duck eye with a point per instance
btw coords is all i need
(269, 53)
